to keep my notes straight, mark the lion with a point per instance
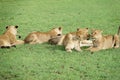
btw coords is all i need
(58, 40)
(71, 40)
(104, 42)
(8, 38)
(42, 37)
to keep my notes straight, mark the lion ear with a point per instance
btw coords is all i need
(60, 28)
(78, 29)
(87, 28)
(6, 27)
(16, 26)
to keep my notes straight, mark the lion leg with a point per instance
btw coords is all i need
(17, 42)
(5, 47)
(69, 46)
(68, 50)
(61, 40)
(77, 47)
(35, 42)
(94, 49)
(5, 44)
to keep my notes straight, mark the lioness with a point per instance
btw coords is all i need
(8, 39)
(104, 42)
(71, 40)
(41, 37)
(58, 40)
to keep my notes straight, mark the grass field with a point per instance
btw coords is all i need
(49, 62)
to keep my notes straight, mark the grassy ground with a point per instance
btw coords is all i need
(47, 62)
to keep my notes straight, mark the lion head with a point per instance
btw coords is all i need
(56, 32)
(82, 34)
(12, 29)
(96, 34)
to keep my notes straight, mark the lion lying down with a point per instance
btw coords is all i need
(8, 39)
(42, 37)
(73, 40)
(59, 41)
(104, 42)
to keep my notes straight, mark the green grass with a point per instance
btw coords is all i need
(48, 62)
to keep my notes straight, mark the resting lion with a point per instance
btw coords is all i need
(8, 39)
(73, 40)
(104, 42)
(41, 37)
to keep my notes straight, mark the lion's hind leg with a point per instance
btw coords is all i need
(4, 44)
(77, 46)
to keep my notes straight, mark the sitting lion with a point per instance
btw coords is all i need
(8, 39)
(41, 37)
(104, 42)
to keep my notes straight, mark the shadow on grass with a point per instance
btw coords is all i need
(56, 47)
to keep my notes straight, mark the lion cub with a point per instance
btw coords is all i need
(41, 37)
(104, 42)
(58, 40)
(8, 39)
(71, 40)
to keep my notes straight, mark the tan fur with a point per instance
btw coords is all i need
(41, 37)
(71, 40)
(8, 39)
(103, 42)
(59, 41)
(83, 42)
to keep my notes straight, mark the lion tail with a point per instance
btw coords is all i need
(119, 31)
(118, 35)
